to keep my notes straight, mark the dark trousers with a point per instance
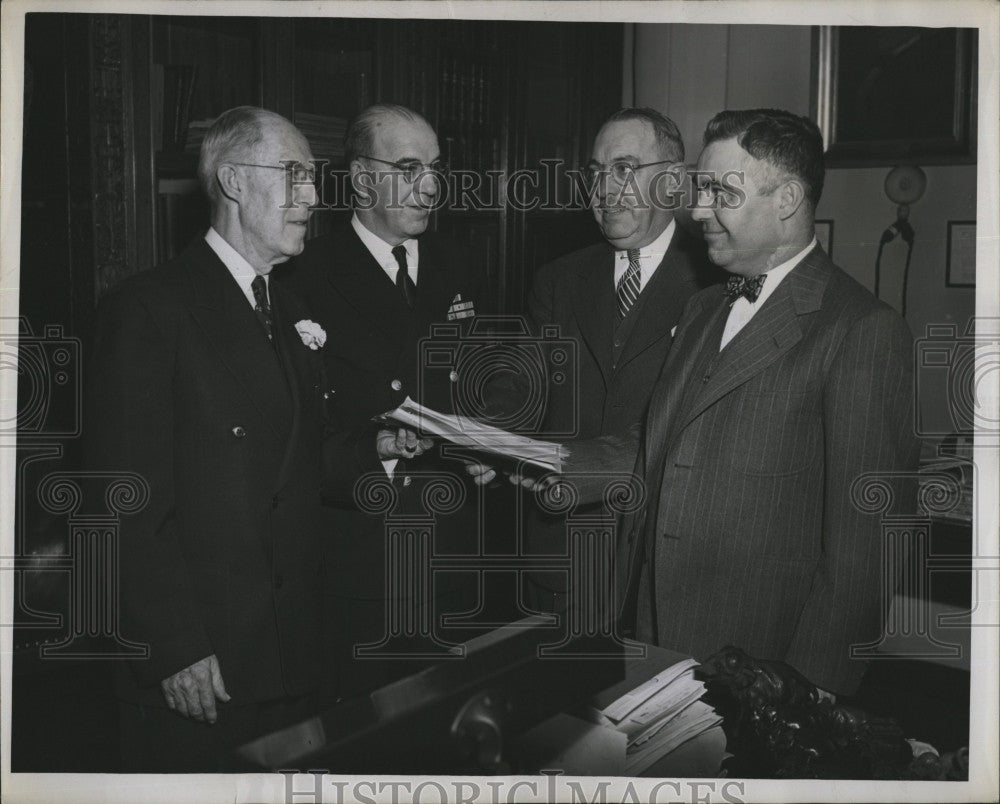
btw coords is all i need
(155, 739)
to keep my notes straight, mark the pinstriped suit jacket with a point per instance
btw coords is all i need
(749, 526)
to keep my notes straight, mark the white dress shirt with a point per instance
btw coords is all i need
(241, 270)
(382, 252)
(743, 309)
(650, 257)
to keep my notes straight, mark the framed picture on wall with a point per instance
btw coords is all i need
(961, 266)
(896, 95)
(824, 234)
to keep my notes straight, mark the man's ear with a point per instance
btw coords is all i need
(362, 179)
(230, 182)
(679, 175)
(791, 196)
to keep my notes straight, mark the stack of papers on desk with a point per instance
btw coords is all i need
(660, 714)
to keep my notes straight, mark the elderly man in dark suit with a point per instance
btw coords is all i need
(205, 381)
(619, 301)
(782, 388)
(378, 285)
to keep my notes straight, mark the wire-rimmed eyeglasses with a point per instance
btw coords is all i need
(412, 170)
(296, 171)
(621, 170)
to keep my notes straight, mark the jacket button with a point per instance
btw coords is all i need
(239, 431)
(396, 385)
(453, 376)
(278, 581)
(275, 501)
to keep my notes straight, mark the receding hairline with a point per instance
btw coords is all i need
(664, 146)
(278, 126)
(383, 117)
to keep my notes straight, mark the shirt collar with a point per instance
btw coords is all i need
(779, 272)
(655, 249)
(380, 250)
(241, 270)
(782, 270)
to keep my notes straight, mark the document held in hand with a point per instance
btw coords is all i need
(477, 436)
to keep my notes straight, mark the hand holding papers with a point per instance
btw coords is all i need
(400, 443)
(491, 442)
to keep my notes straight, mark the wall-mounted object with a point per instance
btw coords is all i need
(892, 95)
(824, 234)
(961, 267)
(904, 185)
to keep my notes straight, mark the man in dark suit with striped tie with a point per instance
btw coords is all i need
(619, 301)
(782, 388)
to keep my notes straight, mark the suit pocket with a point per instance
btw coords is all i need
(775, 434)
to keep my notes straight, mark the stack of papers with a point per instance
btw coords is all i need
(661, 714)
(477, 436)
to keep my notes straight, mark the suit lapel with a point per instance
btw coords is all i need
(596, 308)
(295, 362)
(688, 344)
(435, 286)
(662, 293)
(229, 323)
(772, 332)
(361, 282)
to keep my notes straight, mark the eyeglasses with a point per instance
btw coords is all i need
(297, 172)
(412, 169)
(621, 171)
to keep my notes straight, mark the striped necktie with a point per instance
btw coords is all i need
(262, 306)
(628, 285)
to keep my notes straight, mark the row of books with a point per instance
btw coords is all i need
(465, 101)
(324, 133)
(171, 92)
(479, 153)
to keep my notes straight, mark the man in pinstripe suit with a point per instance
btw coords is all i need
(781, 389)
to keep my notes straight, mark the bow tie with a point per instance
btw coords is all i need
(742, 286)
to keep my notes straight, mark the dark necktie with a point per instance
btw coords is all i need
(749, 288)
(262, 306)
(628, 285)
(403, 282)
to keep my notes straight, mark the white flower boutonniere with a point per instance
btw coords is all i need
(312, 334)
